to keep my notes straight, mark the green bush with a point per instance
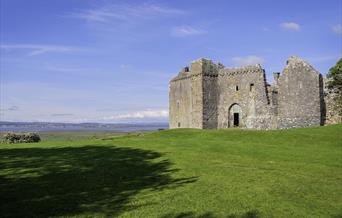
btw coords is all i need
(12, 138)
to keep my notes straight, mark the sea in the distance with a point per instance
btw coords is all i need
(45, 126)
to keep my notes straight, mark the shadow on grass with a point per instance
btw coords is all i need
(38, 182)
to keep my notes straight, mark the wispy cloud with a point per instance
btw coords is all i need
(61, 115)
(139, 115)
(183, 31)
(248, 60)
(290, 26)
(126, 12)
(36, 49)
(337, 29)
(11, 108)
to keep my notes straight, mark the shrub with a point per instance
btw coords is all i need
(12, 138)
(31, 137)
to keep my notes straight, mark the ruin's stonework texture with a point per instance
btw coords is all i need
(333, 109)
(207, 95)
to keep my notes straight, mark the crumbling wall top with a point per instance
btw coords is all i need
(295, 62)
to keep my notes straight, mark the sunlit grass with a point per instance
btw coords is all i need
(177, 173)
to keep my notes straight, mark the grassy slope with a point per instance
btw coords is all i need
(178, 173)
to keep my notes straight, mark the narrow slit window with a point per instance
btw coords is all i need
(236, 88)
(179, 124)
(251, 87)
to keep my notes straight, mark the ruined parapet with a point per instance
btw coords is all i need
(220, 65)
(241, 70)
(204, 66)
(183, 74)
(299, 97)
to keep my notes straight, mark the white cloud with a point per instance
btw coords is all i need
(11, 108)
(125, 12)
(61, 115)
(291, 26)
(337, 29)
(183, 31)
(139, 115)
(248, 60)
(36, 49)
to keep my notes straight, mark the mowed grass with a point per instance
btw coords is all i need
(177, 173)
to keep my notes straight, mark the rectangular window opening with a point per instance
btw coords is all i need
(251, 87)
(237, 88)
(179, 124)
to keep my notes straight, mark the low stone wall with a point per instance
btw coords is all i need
(296, 122)
(260, 122)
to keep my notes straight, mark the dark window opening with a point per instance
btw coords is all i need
(236, 119)
(275, 98)
(251, 87)
(178, 124)
(237, 88)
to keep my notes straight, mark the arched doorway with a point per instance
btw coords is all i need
(234, 116)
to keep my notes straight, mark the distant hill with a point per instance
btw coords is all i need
(49, 126)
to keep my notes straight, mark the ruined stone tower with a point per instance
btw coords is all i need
(207, 95)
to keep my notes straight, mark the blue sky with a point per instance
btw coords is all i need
(110, 61)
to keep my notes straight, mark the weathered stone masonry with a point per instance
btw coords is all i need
(208, 95)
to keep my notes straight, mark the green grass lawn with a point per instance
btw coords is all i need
(177, 173)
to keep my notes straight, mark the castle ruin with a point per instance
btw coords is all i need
(208, 96)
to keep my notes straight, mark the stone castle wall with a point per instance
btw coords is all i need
(209, 96)
(180, 103)
(197, 94)
(246, 88)
(299, 101)
(333, 109)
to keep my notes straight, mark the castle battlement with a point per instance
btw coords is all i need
(186, 72)
(241, 70)
(256, 67)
